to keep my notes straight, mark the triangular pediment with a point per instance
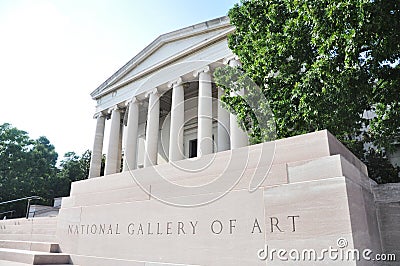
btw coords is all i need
(165, 47)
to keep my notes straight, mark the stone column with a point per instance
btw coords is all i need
(152, 128)
(204, 131)
(131, 138)
(112, 164)
(97, 152)
(177, 121)
(121, 136)
(238, 136)
(223, 125)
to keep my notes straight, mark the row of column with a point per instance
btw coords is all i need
(230, 135)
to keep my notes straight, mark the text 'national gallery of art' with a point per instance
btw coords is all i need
(183, 186)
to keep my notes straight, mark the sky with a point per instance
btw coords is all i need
(54, 53)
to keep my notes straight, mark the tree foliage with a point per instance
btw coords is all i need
(29, 167)
(324, 64)
(75, 167)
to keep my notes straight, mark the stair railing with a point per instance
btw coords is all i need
(21, 199)
(12, 211)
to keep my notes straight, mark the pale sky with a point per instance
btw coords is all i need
(53, 54)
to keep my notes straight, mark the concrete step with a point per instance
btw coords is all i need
(45, 226)
(39, 231)
(44, 231)
(13, 263)
(36, 220)
(28, 237)
(33, 257)
(30, 245)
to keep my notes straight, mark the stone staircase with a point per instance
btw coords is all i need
(30, 242)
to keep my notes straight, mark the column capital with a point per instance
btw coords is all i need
(98, 114)
(228, 59)
(155, 91)
(134, 99)
(175, 82)
(201, 70)
(114, 108)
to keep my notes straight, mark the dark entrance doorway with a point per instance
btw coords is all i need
(192, 148)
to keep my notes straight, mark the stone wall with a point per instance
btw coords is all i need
(314, 195)
(387, 199)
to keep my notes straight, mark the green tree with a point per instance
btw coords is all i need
(75, 167)
(14, 145)
(323, 65)
(26, 165)
(42, 168)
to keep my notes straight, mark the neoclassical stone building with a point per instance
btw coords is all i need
(162, 105)
(232, 205)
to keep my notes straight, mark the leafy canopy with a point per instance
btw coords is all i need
(28, 168)
(324, 65)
